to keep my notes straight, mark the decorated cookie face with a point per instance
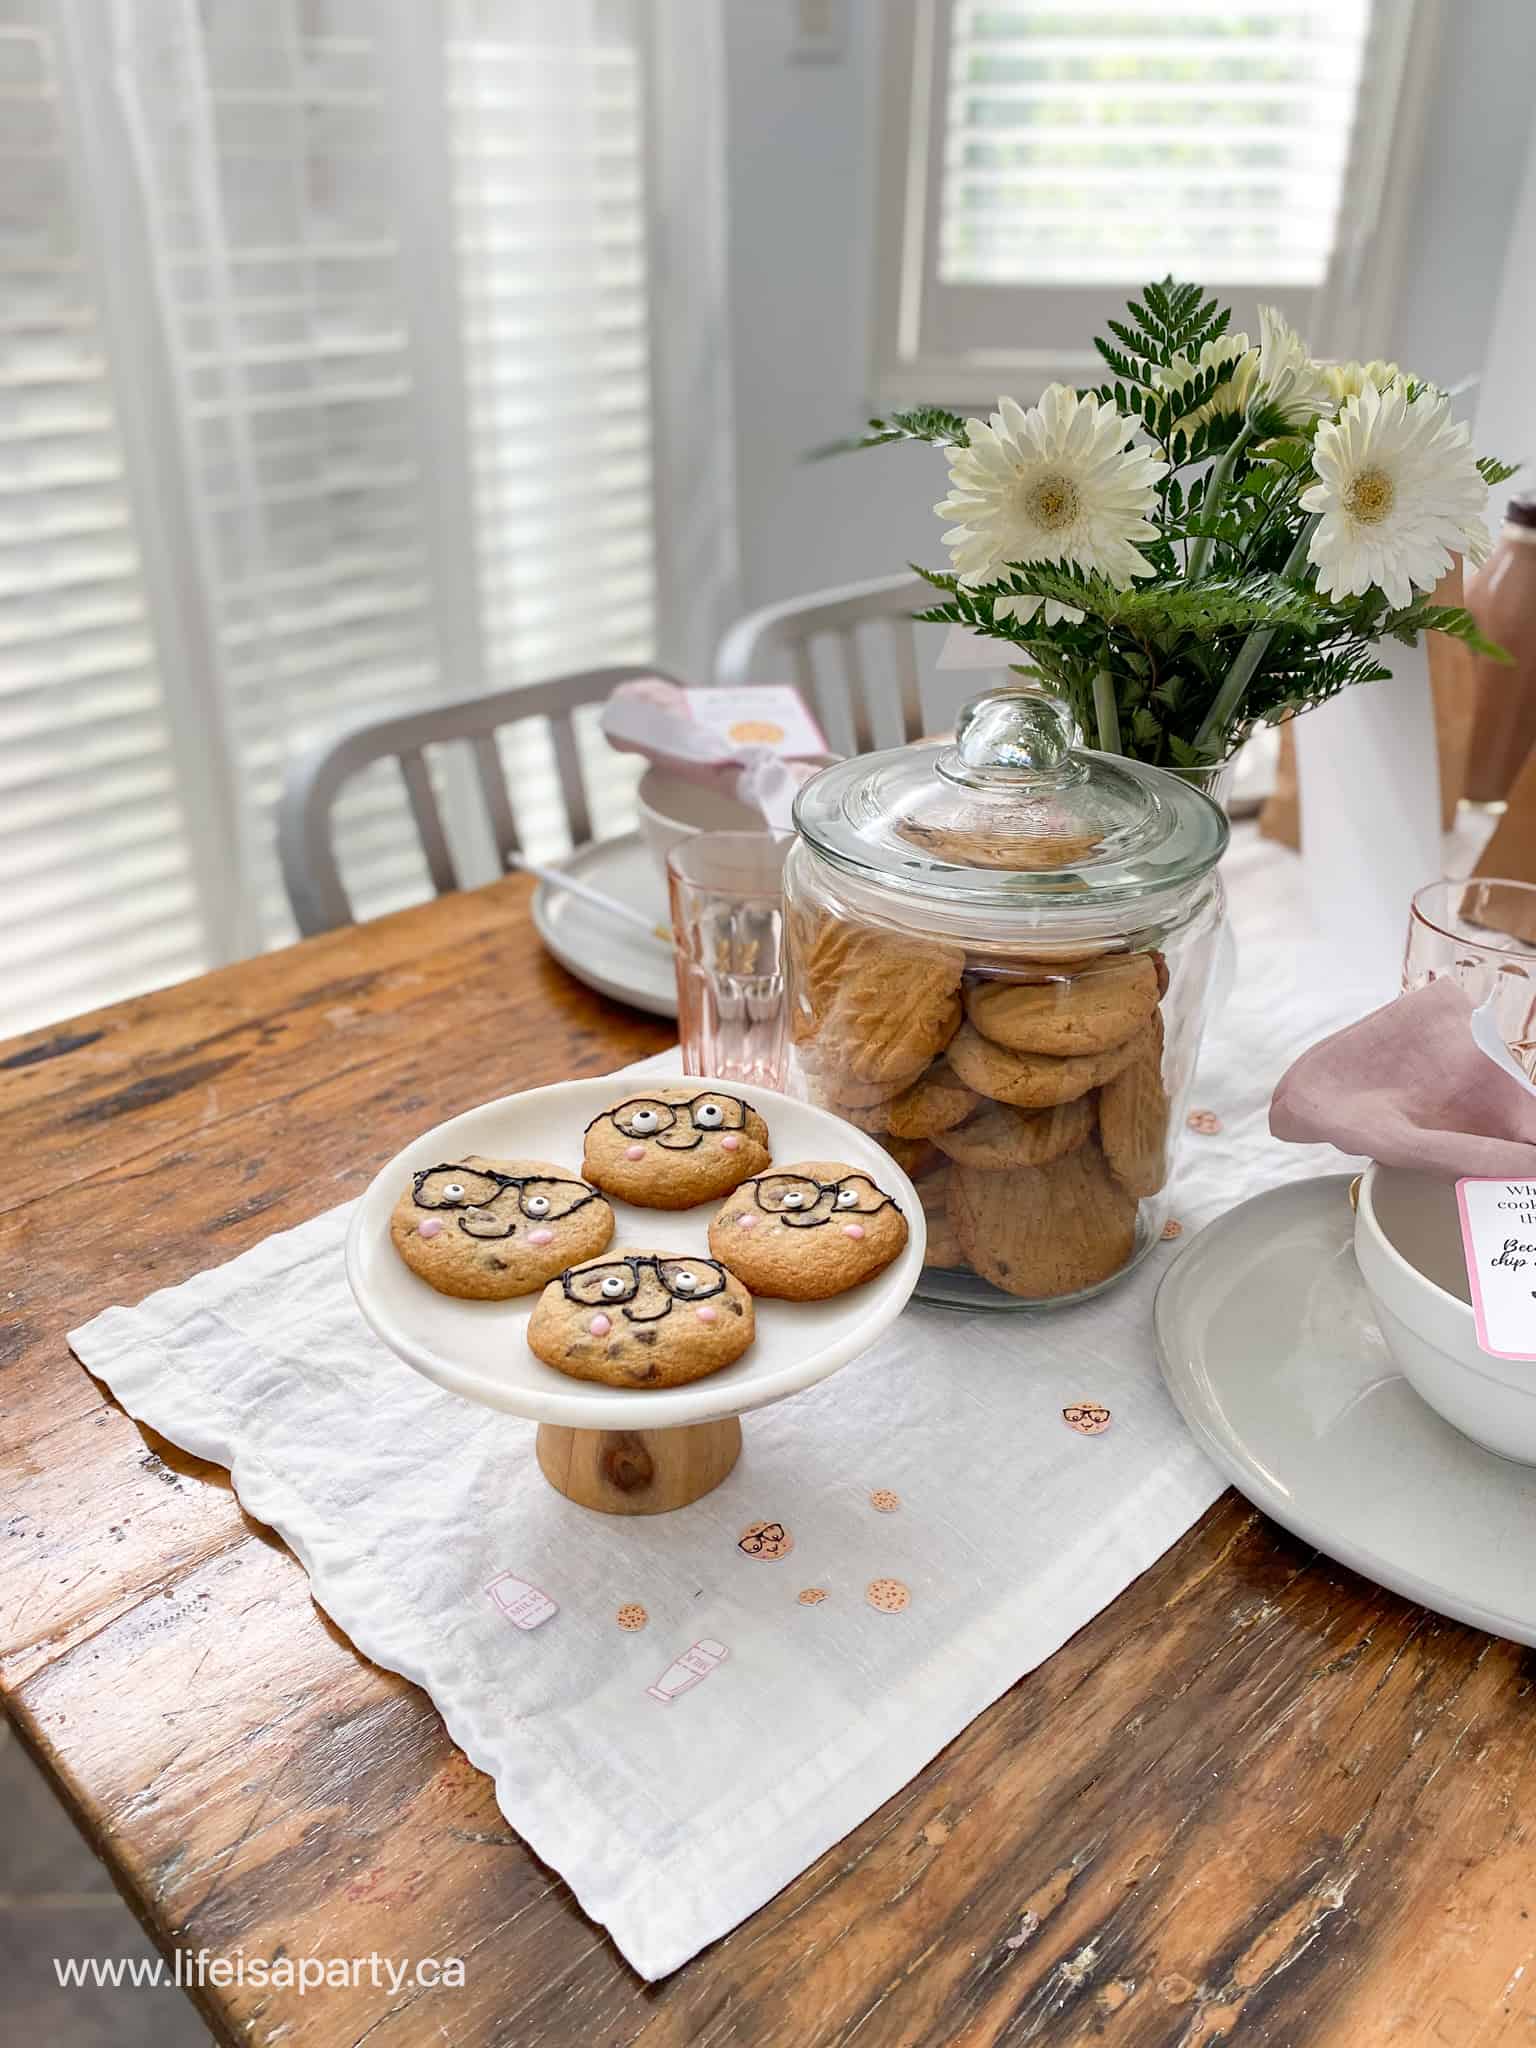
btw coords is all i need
(487, 1229)
(642, 1319)
(675, 1146)
(806, 1231)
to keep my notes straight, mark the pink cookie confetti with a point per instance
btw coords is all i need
(883, 1501)
(811, 1596)
(887, 1596)
(765, 1540)
(1204, 1121)
(523, 1605)
(600, 1326)
(632, 1617)
(1171, 1229)
(696, 1663)
(1088, 1418)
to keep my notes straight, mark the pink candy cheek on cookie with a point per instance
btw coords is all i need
(431, 1227)
(730, 1144)
(634, 1151)
(600, 1326)
(706, 1314)
(541, 1237)
(746, 1220)
(853, 1230)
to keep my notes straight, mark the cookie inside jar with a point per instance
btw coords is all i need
(1021, 1038)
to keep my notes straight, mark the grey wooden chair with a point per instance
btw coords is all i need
(305, 841)
(852, 651)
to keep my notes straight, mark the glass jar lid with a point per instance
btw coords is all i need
(1013, 813)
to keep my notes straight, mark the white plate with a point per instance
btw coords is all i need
(478, 1348)
(1268, 1345)
(615, 958)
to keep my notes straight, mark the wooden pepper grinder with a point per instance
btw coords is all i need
(1501, 596)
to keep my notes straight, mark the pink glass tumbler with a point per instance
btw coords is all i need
(727, 891)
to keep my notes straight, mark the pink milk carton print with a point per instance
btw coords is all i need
(695, 1663)
(523, 1605)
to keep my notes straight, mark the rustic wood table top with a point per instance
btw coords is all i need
(1256, 1800)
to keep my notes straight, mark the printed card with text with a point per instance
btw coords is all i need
(1498, 1235)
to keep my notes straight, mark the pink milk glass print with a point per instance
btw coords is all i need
(523, 1605)
(728, 925)
(696, 1663)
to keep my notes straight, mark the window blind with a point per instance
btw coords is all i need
(1095, 143)
(274, 169)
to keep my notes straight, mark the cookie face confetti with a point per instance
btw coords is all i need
(1088, 1418)
(487, 1230)
(887, 1596)
(808, 1231)
(675, 1146)
(765, 1540)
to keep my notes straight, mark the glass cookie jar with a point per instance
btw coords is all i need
(998, 953)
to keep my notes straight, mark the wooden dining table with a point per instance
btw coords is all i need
(1257, 1799)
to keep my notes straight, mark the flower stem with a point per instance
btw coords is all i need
(1221, 476)
(1228, 699)
(1106, 713)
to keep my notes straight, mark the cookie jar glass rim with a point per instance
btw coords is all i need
(1014, 816)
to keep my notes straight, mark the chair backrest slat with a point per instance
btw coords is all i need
(904, 662)
(572, 785)
(429, 822)
(859, 708)
(493, 794)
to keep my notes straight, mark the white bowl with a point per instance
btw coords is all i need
(1408, 1247)
(479, 1348)
(672, 808)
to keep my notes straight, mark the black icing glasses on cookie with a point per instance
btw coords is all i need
(477, 1190)
(615, 1282)
(805, 1204)
(647, 1117)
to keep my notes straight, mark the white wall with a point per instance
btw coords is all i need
(802, 165)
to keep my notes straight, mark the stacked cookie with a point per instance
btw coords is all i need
(635, 1315)
(1026, 1101)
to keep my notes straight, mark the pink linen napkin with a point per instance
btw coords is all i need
(1410, 1086)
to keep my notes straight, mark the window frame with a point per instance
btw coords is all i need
(1348, 314)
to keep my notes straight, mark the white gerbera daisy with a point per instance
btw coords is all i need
(1397, 489)
(1287, 382)
(1348, 380)
(1070, 480)
(1231, 396)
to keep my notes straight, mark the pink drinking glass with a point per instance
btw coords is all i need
(1460, 931)
(727, 891)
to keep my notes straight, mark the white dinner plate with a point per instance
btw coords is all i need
(479, 1349)
(1268, 1345)
(607, 953)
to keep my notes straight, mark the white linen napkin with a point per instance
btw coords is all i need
(674, 1818)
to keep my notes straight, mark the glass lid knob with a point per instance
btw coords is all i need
(1017, 737)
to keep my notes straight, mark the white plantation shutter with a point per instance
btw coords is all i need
(1103, 143)
(1062, 154)
(327, 390)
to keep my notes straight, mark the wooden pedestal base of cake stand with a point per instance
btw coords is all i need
(638, 1471)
